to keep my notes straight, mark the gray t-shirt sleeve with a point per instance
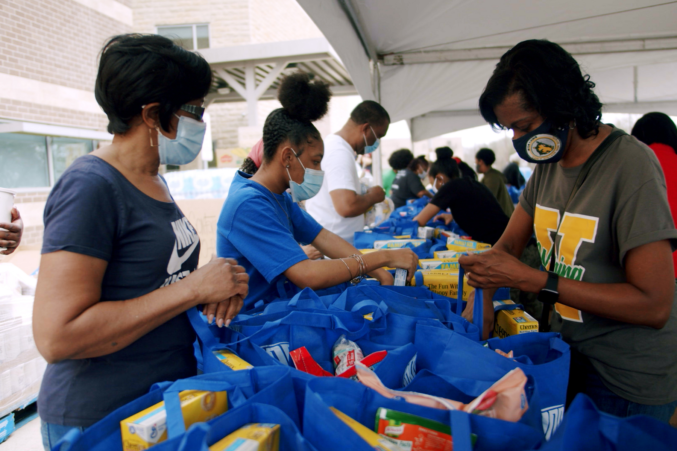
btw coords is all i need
(528, 196)
(644, 218)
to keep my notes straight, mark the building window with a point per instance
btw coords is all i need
(190, 37)
(36, 161)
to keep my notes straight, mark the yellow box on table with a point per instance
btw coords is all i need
(149, 427)
(444, 282)
(461, 245)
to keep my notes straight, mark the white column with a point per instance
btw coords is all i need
(250, 87)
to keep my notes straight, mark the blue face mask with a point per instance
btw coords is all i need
(369, 149)
(540, 146)
(186, 146)
(312, 182)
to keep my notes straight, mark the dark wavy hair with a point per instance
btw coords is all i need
(138, 69)
(303, 101)
(486, 155)
(551, 83)
(656, 128)
(400, 159)
(445, 164)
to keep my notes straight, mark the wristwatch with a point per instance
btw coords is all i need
(549, 295)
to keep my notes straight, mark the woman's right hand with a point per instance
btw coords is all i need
(403, 259)
(221, 285)
(446, 217)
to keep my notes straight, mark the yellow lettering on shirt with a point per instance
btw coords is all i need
(574, 231)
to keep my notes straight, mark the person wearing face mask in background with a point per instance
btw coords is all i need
(598, 206)
(119, 258)
(411, 172)
(472, 205)
(340, 205)
(493, 179)
(261, 224)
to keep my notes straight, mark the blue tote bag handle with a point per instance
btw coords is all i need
(478, 308)
(67, 440)
(379, 309)
(460, 430)
(201, 328)
(175, 423)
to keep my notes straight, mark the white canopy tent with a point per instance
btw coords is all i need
(428, 61)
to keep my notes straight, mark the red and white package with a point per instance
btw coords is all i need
(345, 354)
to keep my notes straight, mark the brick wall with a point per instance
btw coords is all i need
(280, 20)
(228, 19)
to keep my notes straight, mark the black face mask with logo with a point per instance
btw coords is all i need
(541, 145)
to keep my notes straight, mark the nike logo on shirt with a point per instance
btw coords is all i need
(185, 237)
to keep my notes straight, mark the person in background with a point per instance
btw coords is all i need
(388, 178)
(659, 132)
(606, 246)
(472, 205)
(340, 205)
(119, 258)
(513, 176)
(10, 238)
(261, 224)
(493, 179)
(411, 172)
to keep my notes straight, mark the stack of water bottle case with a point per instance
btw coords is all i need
(364, 367)
(21, 366)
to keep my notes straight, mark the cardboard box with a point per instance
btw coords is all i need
(253, 437)
(149, 427)
(231, 360)
(444, 283)
(446, 264)
(457, 244)
(455, 255)
(396, 244)
(513, 322)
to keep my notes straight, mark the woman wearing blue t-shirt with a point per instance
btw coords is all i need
(261, 225)
(109, 316)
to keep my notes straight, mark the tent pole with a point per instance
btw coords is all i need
(376, 165)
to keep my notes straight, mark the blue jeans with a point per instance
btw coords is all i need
(584, 379)
(52, 433)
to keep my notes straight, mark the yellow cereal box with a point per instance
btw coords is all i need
(252, 437)
(149, 427)
(513, 322)
(396, 244)
(372, 438)
(457, 244)
(455, 255)
(442, 282)
(442, 263)
(231, 360)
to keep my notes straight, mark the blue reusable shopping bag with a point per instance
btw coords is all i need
(200, 436)
(544, 356)
(272, 385)
(327, 432)
(585, 428)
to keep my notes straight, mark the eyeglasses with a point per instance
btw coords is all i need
(195, 110)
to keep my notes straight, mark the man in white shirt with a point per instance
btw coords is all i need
(340, 205)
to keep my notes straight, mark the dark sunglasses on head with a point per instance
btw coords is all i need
(195, 110)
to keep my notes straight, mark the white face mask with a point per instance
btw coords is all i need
(186, 146)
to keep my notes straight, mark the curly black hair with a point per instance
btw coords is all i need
(303, 101)
(486, 155)
(138, 69)
(551, 83)
(248, 166)
(400, 159)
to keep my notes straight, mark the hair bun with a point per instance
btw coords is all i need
(302, 98)
(444, 153)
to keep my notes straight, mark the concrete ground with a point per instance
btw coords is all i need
(26, 438)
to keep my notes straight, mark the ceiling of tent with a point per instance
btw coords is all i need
(435, 56)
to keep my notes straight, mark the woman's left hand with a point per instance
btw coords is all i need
(496, 269)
